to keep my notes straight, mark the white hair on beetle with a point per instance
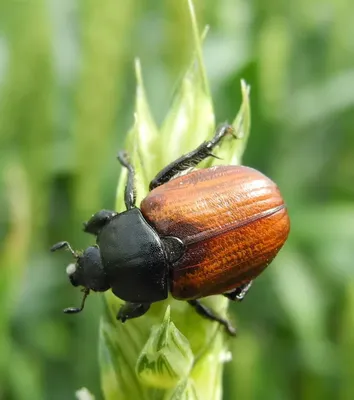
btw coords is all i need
(70, 269)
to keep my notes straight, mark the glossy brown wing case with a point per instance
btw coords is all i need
(232, 220)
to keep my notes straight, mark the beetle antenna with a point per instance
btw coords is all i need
(62, 245)
(73, 310)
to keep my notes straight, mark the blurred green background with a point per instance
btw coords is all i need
(66, 101)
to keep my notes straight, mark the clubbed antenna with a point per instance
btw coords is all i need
(64, 245)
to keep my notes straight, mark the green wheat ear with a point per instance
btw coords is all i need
(170, 352)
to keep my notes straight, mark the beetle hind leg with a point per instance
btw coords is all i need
(206, 312)
(193, 158)
(239, 293)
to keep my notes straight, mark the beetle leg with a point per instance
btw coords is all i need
(193, 158)
(132, 310)
(239, 293)
(206, 312)
(130, 192)
(75, 310)
(98, 221)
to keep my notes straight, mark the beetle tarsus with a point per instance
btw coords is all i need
(75, 310)
(130, 192)
(192, 158)
(239, 293)
(221, 132)
(132, 310)
(206, 312)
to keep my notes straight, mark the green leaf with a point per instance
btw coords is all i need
(185, 390)
(138, 361)
(166, 357)
(84, 394)
(142, 141)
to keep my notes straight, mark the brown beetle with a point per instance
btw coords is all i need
(210, 231)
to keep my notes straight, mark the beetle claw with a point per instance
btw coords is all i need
(214, 156)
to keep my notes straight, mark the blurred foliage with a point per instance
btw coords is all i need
(66, 100)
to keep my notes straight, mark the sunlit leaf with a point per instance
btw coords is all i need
(160, 345)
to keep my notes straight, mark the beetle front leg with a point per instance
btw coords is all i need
(191, 159)
(206, 312)
(132, 310)
(239, 293)
(98, 221)
(129, 192)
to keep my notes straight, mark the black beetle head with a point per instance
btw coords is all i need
(87, 271)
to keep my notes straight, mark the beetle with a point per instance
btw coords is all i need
(200, 233)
